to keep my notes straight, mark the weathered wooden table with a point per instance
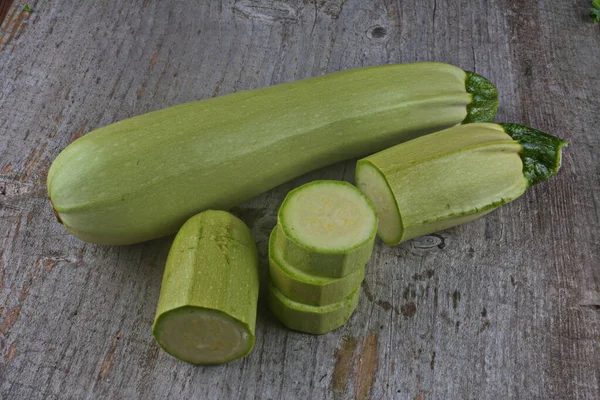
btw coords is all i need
(504, 307)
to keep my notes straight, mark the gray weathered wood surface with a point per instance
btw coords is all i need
(504, 307)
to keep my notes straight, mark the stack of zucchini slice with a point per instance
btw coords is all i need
(317, 255)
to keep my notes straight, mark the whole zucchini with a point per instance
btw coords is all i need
(143, 177)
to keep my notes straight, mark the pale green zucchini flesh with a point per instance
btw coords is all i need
(202, 336)
(143, 177)
(310, 319)
(206, 311)
(305, 288)
(327, 228)
(328, 216)
(454, 176)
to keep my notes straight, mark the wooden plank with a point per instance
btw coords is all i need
(504, 307)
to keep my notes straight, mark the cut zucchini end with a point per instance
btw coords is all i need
(328, 217)
(310, 319)
(374, 185)
(202, 336)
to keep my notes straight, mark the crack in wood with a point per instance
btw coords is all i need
(266, 10)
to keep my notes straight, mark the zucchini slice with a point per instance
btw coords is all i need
(311, 319)
(327, 228)
(305, 288)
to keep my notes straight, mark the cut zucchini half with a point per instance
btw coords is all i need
(328, 228)
(454, 176)
(206, 311)
(305, 288)
(311, 319)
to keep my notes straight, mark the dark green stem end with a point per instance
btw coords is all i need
(541, 152)
(484, 105)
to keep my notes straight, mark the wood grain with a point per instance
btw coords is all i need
(4, 7)
(505, 307)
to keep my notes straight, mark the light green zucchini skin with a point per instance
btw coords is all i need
(457, 175)
(311, 319)
(212, 265)
(305, 288)
(143, 177)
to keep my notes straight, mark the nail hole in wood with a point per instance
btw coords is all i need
(378, 32)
